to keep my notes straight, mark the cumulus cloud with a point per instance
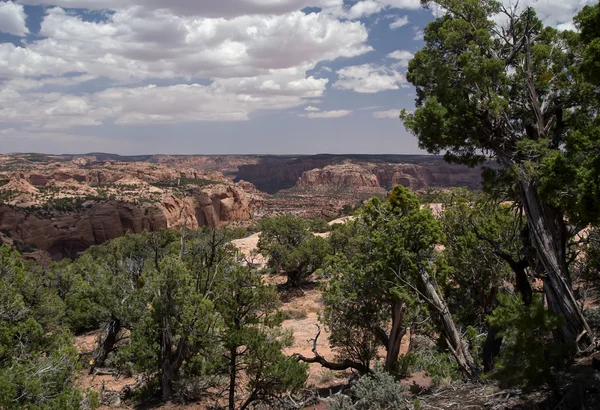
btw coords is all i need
(393, 114)
(553, 12)
(138, 44)
(399, 22)
(401, 4)
(327, 114)
(12, 19)
(213, 8)
(368, 78)
(26, 84)
(311, 108)
(419, 35)
(364, 8)
(403, 57)
(223, 100)
(251, 63)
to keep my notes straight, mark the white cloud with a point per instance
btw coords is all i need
(403, 57)
(12, 19)
(553, 12)
(399, 22)
(206, 8)
(401, 4)
(311, 108)
(27, 84)
(251, 63)
(326, 114)
(233, 99)
(368, 78)
(394, 114)
(570, 25)
(419, 35)
(364, 8)
(437, 10)
(136, 44)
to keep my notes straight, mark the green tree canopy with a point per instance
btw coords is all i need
(515, 93)
(288, 243)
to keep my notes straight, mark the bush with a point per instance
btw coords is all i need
(376, 391)
(529, 356)
(288, 243)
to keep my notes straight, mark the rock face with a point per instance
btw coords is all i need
(386, 176)
(273, 174)
(64, 204)
(64, 207)
(346, 175)
(65, 234)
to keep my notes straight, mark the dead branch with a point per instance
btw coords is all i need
(317, 358)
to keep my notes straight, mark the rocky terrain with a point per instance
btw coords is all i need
(55, 206)
(64, 207)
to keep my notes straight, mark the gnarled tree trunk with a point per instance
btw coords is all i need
(549, 236)
(396, 334)
(106, 344)
(450, 333)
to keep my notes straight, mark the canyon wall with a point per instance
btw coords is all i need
(65, 234)
(274, 174)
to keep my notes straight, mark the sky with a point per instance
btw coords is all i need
(214, 76)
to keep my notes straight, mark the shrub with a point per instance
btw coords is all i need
(376, 391)
(529, 356)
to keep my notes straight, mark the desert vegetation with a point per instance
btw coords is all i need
(489, 296)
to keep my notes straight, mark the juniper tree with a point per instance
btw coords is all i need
(514, 92)
(374, 288)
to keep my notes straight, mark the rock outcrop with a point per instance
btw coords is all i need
(65, 234)
(345, 175)
(365, 176)
(274, 174)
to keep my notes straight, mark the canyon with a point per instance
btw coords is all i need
(55, 206)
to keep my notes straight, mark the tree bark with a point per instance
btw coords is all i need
(396, 335)
(317, 358)
(549, 238)
(453, 338)
(491, 348)
(232, 376)
(167, 374)
(107, 344)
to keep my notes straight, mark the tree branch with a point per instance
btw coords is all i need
(346, 364)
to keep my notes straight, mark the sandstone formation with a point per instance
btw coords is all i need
(65, 234)
(345, 175)
(386, 176)
(273, 174)
(63, 207)
(63, 204)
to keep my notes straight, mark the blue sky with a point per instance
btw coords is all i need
(213, 77)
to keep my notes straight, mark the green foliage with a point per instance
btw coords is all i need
(374, 271)
(290, 246)
(440, 366)
(477, 230)
(529, 355)
(472, 100)
(588, 21)
(252, 339)
(37, 358)
(185, 318)
(377, 391)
